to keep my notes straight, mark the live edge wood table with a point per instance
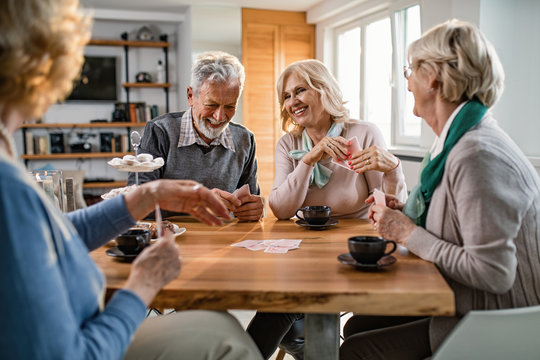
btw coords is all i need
(217, 276)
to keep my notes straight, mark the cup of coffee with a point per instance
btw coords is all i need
(369, 249)
(133, 241)
(315, 215)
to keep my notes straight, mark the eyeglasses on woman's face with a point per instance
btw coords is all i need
(407, 71)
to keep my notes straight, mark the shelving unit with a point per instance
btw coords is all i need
(127, 85)
(88, 155)
(82, 125)
(129, 125)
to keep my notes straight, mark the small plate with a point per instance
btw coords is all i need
(178, 230)
(349, 260)
(148, 166)
(115, 252)
(330, 222)
(115, 192)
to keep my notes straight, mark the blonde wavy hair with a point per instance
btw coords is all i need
(465, 62)
(319, 79)
(41, 52)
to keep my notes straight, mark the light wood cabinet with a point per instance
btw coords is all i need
(271, 40)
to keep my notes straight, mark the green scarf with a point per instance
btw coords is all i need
(321, 174)
(433, 170)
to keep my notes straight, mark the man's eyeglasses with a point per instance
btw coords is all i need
(407, 70)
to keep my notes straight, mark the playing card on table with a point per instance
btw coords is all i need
(379, 197)
(256, 247)
(246, 243)
(276, 250)
(353, 148)
(280, 246)
(286, 243)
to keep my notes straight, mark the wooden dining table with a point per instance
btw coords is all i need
(310, 279)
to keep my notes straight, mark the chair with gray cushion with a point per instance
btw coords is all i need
(509, 334)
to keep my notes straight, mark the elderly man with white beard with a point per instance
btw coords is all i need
(202, 143)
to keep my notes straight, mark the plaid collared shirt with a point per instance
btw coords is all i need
(189, 136)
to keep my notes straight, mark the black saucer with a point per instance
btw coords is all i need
(330, 222)
(349, 260)
(118, 254)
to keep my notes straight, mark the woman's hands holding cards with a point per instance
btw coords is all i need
(389, 200)
(391, 224)
(335, 147)
(386, 216)
(373, 158)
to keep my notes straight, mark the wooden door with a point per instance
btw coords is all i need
(271, 40)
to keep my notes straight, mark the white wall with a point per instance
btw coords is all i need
(514, 30)
(224, 34)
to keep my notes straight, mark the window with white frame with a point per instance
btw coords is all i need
(370, 56)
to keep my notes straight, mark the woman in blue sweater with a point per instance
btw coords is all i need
(51, 291)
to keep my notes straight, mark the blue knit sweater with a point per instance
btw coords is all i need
(51, 292)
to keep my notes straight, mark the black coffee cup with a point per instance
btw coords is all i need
(315, 215)
(369, 249)
(133, 241)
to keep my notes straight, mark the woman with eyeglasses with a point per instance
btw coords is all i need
(474, 213)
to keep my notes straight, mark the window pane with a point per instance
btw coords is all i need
(348, 69)
(378, 74)
(411, 30)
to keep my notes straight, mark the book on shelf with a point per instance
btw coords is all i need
(41, 145)
(133, 112)
(124, 143)
(29, 140)
(139, 112)
(154, 112)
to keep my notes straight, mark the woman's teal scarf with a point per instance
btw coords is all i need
(321, 174)
(432, 170)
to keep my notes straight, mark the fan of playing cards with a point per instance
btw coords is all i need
(242, 191)
(354, 147)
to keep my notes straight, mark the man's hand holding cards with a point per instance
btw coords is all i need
(251, 207)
